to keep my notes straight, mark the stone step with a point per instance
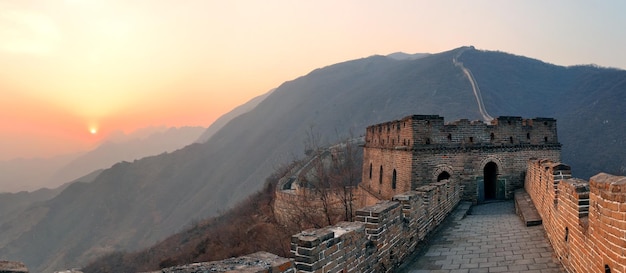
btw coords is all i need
(525, 208)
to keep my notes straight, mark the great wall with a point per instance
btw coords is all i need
(422, 168)
(416, 170)
(585, 221)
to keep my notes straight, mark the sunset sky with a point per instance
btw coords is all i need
(73, 71)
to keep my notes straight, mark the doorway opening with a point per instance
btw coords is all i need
(443, 176)
(490, 173)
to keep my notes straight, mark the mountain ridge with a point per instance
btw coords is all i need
(18, 174)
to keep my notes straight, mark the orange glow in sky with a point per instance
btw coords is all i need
(73, 71)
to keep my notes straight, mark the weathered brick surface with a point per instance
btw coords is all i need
(259, 262)
(584, 221)
(419, 148)
(290, 205)
(382, 236)
(12, 267)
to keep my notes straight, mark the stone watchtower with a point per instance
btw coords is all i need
(488, 159)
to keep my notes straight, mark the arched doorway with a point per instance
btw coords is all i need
(490, 173)
(443, 176)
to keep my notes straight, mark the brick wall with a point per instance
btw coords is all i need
(383, 235)
(389, 160)
(419, 148)
(307, 206)
(467, 165)
(419, 130)
(584, 221)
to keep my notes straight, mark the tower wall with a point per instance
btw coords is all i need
(421, 147)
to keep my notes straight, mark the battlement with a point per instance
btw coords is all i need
(488, 159)
(413, 132)
(585, 221)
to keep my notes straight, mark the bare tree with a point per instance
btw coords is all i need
(328, 181)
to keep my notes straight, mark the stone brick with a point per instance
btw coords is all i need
(585, 224)
(425, 148)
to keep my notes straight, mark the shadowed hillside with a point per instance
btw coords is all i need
(237, 111)
(37, 173)
(128, 148)
(133, 205)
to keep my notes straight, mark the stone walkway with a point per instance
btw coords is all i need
(491, 238)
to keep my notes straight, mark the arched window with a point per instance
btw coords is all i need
(393, 180)
(443, 176)
(545, 139)
(380, 175)
(511, 139)
(527, 135)
(492, 136)
(370, 171)
(449, 137)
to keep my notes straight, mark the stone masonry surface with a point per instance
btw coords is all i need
(401, 155)
(585, 221)
(491, 239)
(259, 262)
(382, 236)
(12, 267)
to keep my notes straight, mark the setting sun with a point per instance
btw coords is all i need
(93, 131)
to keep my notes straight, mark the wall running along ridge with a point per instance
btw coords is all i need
(380, 238)
(584, 221)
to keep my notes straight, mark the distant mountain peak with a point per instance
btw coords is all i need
(401, 56)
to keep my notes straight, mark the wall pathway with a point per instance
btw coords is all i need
(491, 238)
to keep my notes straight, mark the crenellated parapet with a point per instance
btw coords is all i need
(584, 220)
(382, 236)
(429, 131)
(12, 267)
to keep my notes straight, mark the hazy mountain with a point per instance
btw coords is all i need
(19, 211)
(32, 174)
(404, 56)
(144, 142)
(19, 175)
(237, 111)
(132, 205)
(141, 133)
